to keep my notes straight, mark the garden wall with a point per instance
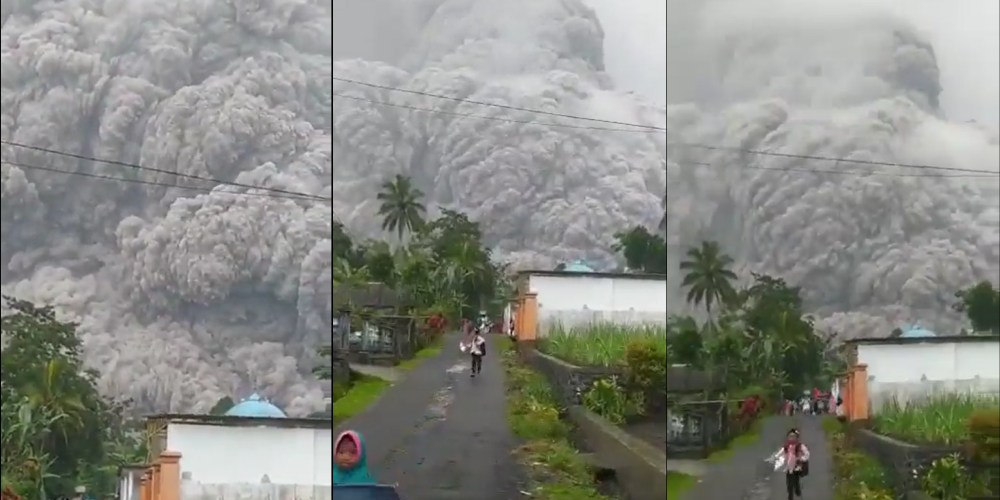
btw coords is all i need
(639, 468)
(340, 369)
(568, 381)
(898, 458)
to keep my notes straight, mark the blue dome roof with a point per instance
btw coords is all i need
(578, 266)
(916, 331)
(255, 406)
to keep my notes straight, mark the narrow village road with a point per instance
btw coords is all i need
(441, 434)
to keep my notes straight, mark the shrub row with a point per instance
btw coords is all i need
(554, 467)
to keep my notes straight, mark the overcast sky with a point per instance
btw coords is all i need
(965, 34)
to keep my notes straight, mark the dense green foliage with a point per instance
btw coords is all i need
(444, 267)
(57, 431)
(758, 334)
(981, 304)
(642, 250)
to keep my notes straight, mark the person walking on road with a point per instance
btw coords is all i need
(793, 457)
(475, 345)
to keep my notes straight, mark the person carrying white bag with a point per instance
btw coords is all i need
(793, 458)
(475, 345)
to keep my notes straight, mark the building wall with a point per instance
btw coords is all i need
(221, 459)
(129, 482)
(579, 300)
(915, 370)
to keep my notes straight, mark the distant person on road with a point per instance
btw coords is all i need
(475, 345)
(350, 464)
(793, 457)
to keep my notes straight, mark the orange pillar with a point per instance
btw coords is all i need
(859, 392)
(144, 486)
(170, 475)
(154, 486)
(845, 395)
(529, 318)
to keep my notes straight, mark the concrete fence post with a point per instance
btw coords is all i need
(170, 475)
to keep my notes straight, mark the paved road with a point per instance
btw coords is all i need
(441, 434)
(746, 477)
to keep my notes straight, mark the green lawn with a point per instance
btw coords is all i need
(365, 389)
(360, 396)
(421, 355)
(678, 483)
(749, 437)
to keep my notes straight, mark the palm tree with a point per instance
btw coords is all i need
(401, 207)
(708, 277)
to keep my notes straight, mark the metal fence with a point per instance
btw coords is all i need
(376, 334)
(697, 428)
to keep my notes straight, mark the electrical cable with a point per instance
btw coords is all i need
(162, 171)
(162, 184)
(501, 106)
(646, 129)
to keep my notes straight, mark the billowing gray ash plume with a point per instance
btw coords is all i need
(810, 78)
(183, 297)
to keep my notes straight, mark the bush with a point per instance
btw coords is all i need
(984, 434)
(608, 399)
(646, 368)
(939, 419)
(557, 471)
(948, 479)
(599, 344)
(857, 475)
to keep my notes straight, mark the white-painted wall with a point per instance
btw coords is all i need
(575, 300)
(909, 371)
(230, 455)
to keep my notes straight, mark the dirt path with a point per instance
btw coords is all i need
(745, 476)
(441, 434)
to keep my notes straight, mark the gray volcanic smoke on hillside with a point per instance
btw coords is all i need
(834, 80)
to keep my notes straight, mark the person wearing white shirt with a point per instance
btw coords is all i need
(475, 345)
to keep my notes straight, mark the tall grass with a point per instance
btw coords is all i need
(598, 344)
(938, 419)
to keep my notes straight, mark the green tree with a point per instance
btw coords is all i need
(401, 207)
(685, 339)
(462, 262)
(708, 277)
(380, 262)
(781, 336)
(642, 250)
(981, 304)
(57, 429)
(224, 404)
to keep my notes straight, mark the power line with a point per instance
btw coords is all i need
(835, 172)
(980, 173)
(484, 117)
(153, 183)
(501, 106)
(166, 172)
(828, 158)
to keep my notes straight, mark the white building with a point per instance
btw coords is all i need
(577, 295)
(252, 452)
(918, 364)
